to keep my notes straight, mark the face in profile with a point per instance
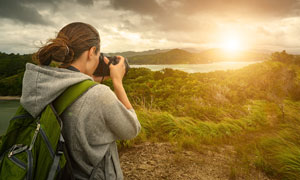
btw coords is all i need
(96, 60)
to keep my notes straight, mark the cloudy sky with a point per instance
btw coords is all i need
(137, 25)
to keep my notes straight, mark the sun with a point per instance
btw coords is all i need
(231, 41)
(231, 44)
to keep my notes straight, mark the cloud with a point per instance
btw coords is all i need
(140, 25)
(30, 11)
(86, 2)
(217, 7)
(178, 15)
(20, 38)
(149, 7)
(20, 11)
(242, 7)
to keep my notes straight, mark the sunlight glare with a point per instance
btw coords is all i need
(231, 45)
(231, 42)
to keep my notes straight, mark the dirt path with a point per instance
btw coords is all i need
(162, 161)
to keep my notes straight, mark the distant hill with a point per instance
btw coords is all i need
(11, 64)
(174, 56)
(134, 53)
(193, 50)
(179, 56)
(219, 55)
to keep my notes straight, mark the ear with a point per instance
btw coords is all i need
(92, 52)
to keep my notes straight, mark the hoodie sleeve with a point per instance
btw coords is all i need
(122, 122)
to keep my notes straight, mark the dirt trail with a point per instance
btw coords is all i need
(149, 161)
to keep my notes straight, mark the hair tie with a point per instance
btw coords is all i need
(67, 49)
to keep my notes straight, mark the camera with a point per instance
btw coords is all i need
(103, 68)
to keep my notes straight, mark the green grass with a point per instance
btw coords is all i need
(280, 154)
(189, 132)
(261, 137)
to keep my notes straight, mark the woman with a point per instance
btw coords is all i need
(99, 117)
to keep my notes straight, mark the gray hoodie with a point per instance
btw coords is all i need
(91, 125)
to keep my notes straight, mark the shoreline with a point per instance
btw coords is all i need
(10, 97)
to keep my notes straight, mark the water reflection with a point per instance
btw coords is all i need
(7, 111)
(193, 68)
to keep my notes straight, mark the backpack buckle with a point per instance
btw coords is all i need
(60, 146)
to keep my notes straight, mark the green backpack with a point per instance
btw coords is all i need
(33, 148)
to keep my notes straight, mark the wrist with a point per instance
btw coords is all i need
(117, 82)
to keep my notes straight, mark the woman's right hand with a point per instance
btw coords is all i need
(117, 71)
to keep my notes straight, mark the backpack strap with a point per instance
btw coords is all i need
(58, 106)
(71, 95)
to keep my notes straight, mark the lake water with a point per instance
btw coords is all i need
(9, 107)
(193, 68)
(7, 110)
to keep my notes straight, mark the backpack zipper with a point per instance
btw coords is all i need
(17, 148)
(35, 135)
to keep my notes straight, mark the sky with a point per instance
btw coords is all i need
(139, 25)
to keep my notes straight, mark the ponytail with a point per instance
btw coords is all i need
(70, 43)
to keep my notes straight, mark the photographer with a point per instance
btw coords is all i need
(93, 123)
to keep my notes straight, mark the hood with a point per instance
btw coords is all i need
(43, 84)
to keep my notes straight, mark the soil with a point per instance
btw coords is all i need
(149, 161)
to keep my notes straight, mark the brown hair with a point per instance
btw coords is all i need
(71, 41)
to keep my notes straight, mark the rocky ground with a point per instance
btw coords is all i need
(149, 161)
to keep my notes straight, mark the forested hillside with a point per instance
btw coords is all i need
(175, 56)
(129, 54)
(178, 56)
(12, 67)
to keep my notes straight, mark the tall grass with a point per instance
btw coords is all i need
(273, 141)
(280, 154)
(189, 132)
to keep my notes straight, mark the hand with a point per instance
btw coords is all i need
(117, 71)
(99, 78)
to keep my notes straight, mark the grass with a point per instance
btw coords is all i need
(280, 154)
(163, 126)
(261, 137)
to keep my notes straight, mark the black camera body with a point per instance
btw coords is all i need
(103, 68)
